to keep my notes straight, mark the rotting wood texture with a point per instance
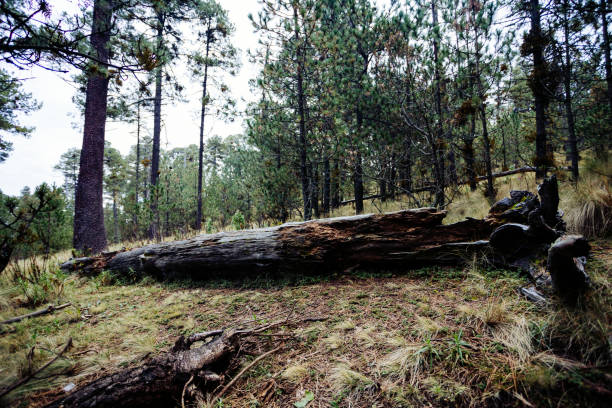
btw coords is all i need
(404, 238)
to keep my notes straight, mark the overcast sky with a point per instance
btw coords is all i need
(32, 160)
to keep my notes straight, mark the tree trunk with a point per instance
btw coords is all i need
(606, 51)
(137, 186)
(303, 146)
(358, 183)
(198, 223)
(89, 231)
(538, 88)
(335, 185)
(487, 152)
(326, 186)
(438, 143)
(314, 189)
(571, 130)
(396, 239)
(115, 217)
(154, 227)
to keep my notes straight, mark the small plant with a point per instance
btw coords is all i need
(238, 221)
(36, 282)
(457, 348)
(429, 352)
(209, 226)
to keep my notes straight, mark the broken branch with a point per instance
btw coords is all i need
(47, 310)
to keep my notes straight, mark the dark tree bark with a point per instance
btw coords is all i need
(538, 88)
(326, 186)
(198, 223)
(606, 48)
(567, 77)
(438, 143)
(335, 184)
(358, 183)
(89, 232)
(154, 227)
(468, 152)
(301, 111)
(334, 244)
(160, 380)
(605, 44)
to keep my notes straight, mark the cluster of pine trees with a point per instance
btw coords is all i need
(406, 100)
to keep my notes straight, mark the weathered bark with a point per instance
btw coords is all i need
(159, 381)
(566, 266)
(537, 87)
(334, 244)
(89, 231)
(157, 102)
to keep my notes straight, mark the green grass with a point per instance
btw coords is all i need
(439, 336)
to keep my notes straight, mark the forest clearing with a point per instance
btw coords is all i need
(305, 203)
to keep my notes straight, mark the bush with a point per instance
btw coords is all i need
(238, 221)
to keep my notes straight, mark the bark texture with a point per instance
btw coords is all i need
(323, 245)
(89, 232)
(158, 381)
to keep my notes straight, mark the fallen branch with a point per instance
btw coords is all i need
(526, 169)
(32, 375)
(47, 310)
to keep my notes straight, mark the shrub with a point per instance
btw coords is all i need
(238, 221)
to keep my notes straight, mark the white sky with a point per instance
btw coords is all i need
(32, 160)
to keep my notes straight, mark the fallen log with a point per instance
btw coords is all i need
(404, 238)
(163, 380)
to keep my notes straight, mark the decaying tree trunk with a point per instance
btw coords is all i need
(161, 381)
(323, 245)
(518, 230)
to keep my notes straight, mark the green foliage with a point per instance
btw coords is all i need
(33, 223)
(13, 102)
(37, 281)
(238, 220)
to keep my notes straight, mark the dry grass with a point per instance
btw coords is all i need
(431, 337)
(589, 206)
(389, 342)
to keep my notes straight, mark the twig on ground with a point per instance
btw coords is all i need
(244, 370)
(48, 309)
(32, 375)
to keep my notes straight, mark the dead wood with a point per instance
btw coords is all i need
(335, 244)
(47, 310)
(164, 380)
(32, 375)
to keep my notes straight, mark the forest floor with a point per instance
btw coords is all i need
(428, 337)
(456, 336)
